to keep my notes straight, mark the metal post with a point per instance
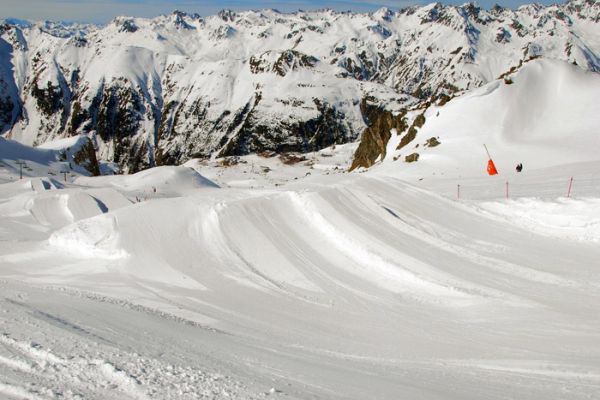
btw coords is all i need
(570, 185)
(20, 163)
(507, 189)
(65, 174)
(488, 153)
(458, 192)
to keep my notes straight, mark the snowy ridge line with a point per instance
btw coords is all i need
(130, 305)
(210, 85)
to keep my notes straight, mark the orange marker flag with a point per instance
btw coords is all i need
(491, 168)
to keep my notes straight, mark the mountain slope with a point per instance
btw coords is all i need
(543, 114)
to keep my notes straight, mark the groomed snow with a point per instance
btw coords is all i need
(266, 280)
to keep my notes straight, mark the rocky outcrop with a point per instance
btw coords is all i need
(281, 62)
(86, 157)
(253, 136)
(375, 138)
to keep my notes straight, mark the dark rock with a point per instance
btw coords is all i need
(86, 157)
(374, 139)
(412, 157)
(432, 142)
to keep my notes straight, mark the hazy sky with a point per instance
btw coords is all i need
(101, 11)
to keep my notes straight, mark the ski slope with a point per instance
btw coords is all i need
(268, 280)
(545, 117)
(335, 286)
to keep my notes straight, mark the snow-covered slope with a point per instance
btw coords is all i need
(346, 286)
(541, 115)
(76, 155)
(163, 90)
(288, 277)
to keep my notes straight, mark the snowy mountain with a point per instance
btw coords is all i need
(163, 90)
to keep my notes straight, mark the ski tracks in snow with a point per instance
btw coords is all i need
(41, 358)
(82, 375)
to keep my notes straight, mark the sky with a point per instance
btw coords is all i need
(102, 11)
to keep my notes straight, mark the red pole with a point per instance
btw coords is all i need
(507, 189)
(570, 185)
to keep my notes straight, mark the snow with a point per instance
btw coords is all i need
(331, 285)
(545, 117)
(162, 180)
(571, 219)
(261, 279)
(48, 160)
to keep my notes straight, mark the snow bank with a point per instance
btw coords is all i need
(166, 179)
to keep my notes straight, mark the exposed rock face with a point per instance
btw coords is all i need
(86, 157)
(412, 131)
(327, 128)
(375, 138)
(163, 90)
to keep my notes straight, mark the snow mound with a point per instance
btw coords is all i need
(543, 115)
(92, 237)
(166, 179)
(60, 208)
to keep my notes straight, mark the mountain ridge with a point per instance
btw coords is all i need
(164, 90)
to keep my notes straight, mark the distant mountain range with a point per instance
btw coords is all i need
(163, 90)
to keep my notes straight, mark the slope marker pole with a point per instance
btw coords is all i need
(570, 185)
(488, 153)
(507, 189)
(458, 192)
